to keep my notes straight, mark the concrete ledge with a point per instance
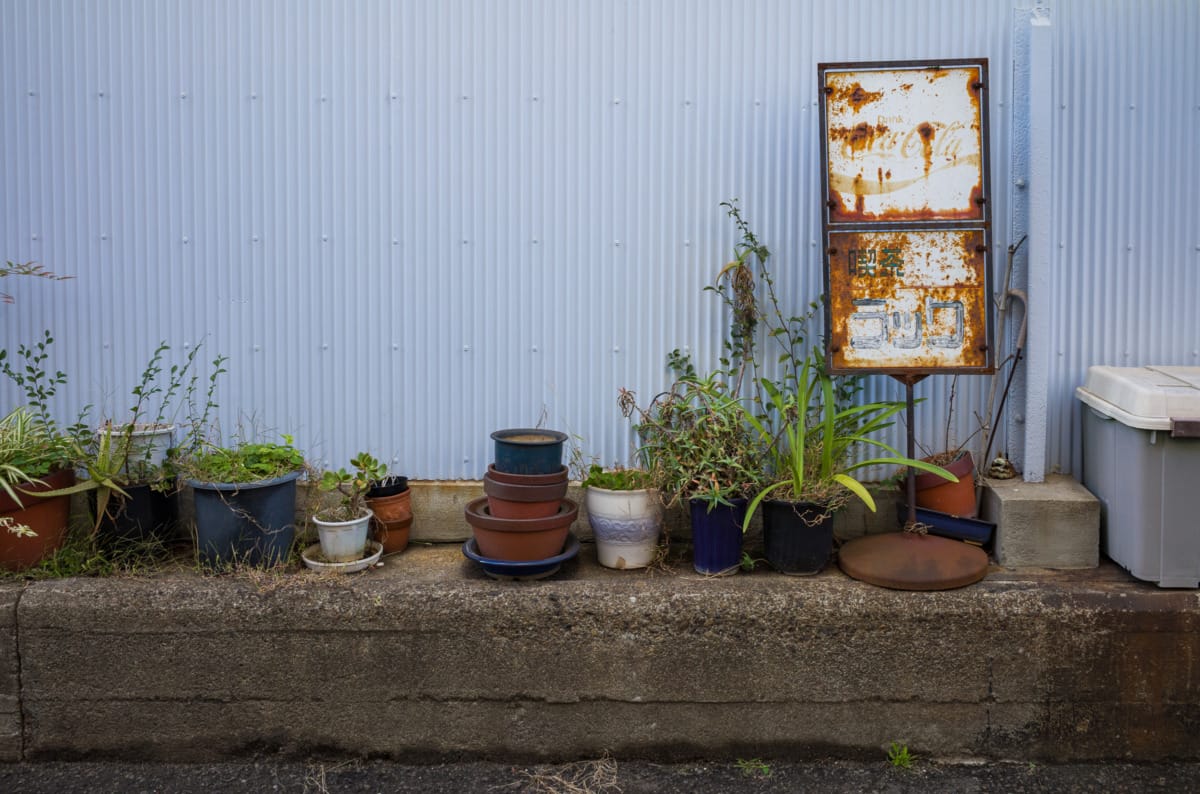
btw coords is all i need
(1052, 524)
(428, 659)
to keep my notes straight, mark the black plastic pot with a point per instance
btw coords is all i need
(797, 536)
(144, 515)
(252, 523)
(717, 536)
(389, 486)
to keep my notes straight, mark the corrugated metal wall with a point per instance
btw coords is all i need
(1126, 250)
(409, 224)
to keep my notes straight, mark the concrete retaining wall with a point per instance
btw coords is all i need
(426, 659)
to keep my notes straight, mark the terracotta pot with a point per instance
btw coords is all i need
(393, 534)
(520, 540)
(526, 479)
(952, 498)
(47, 516)
(392, 521)
(397, 507)
(506, 500)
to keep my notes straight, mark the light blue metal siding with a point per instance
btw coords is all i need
(1126, 275)
(409, 224)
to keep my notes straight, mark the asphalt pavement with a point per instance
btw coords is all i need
(606, 776)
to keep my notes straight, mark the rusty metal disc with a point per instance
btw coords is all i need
(908, 561)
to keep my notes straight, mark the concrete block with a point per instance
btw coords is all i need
(10, 678)
(427, 658)
(1051, 524)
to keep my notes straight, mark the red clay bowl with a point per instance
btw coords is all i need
(520, 539)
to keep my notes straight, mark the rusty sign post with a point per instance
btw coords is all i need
(907, 222)
(907, 229)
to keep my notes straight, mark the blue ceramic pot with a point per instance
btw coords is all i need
(529, 451)
(717, 536)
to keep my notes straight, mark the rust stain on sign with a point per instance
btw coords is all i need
(904, 144)
(908, 300)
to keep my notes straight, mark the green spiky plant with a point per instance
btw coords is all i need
(810, 448)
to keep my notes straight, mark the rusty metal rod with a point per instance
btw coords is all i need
(911, 484)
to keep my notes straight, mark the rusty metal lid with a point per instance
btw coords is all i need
(908, 561)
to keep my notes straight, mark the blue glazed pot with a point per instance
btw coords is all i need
(528, 451)
(717, 536)
(254, 522)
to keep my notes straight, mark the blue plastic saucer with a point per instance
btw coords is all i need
(506, 570)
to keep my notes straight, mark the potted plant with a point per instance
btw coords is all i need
(244, 500)
(625, 515)
(132, 484)
(37, 461)
(699, 447)
(934, 493)
(243, 493)
(808, 440)
(34, 461)
(343, 528)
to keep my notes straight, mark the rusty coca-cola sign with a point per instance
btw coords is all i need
(906, 220)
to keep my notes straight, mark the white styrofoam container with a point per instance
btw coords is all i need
(1140, 463)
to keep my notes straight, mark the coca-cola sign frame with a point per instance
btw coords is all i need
(905, 165)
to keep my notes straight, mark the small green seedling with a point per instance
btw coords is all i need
(899, 757)
(754, 767)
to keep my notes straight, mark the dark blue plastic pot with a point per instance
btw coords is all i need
(253, 523)
(797, 536)
(529, 451)
(717, 536)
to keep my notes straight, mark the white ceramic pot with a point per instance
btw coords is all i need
(626, 526)
(343, 541)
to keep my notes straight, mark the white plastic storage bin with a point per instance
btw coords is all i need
(1141, 458)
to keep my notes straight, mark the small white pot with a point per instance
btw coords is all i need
(626, 525)
(344, 541)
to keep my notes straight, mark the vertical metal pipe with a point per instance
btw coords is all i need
(911, 483)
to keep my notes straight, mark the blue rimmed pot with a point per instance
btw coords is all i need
(250, 522)
(524, 450)
(717, 536)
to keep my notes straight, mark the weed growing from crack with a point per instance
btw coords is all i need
(754, 767)
(899, 756)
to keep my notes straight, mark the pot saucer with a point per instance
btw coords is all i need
(312, 558)
(505, 570)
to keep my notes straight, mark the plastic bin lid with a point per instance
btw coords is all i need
(1148, 398)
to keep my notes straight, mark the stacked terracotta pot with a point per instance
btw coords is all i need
(524, 515)
(391, 502)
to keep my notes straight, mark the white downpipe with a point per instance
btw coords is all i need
(1040, 202)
